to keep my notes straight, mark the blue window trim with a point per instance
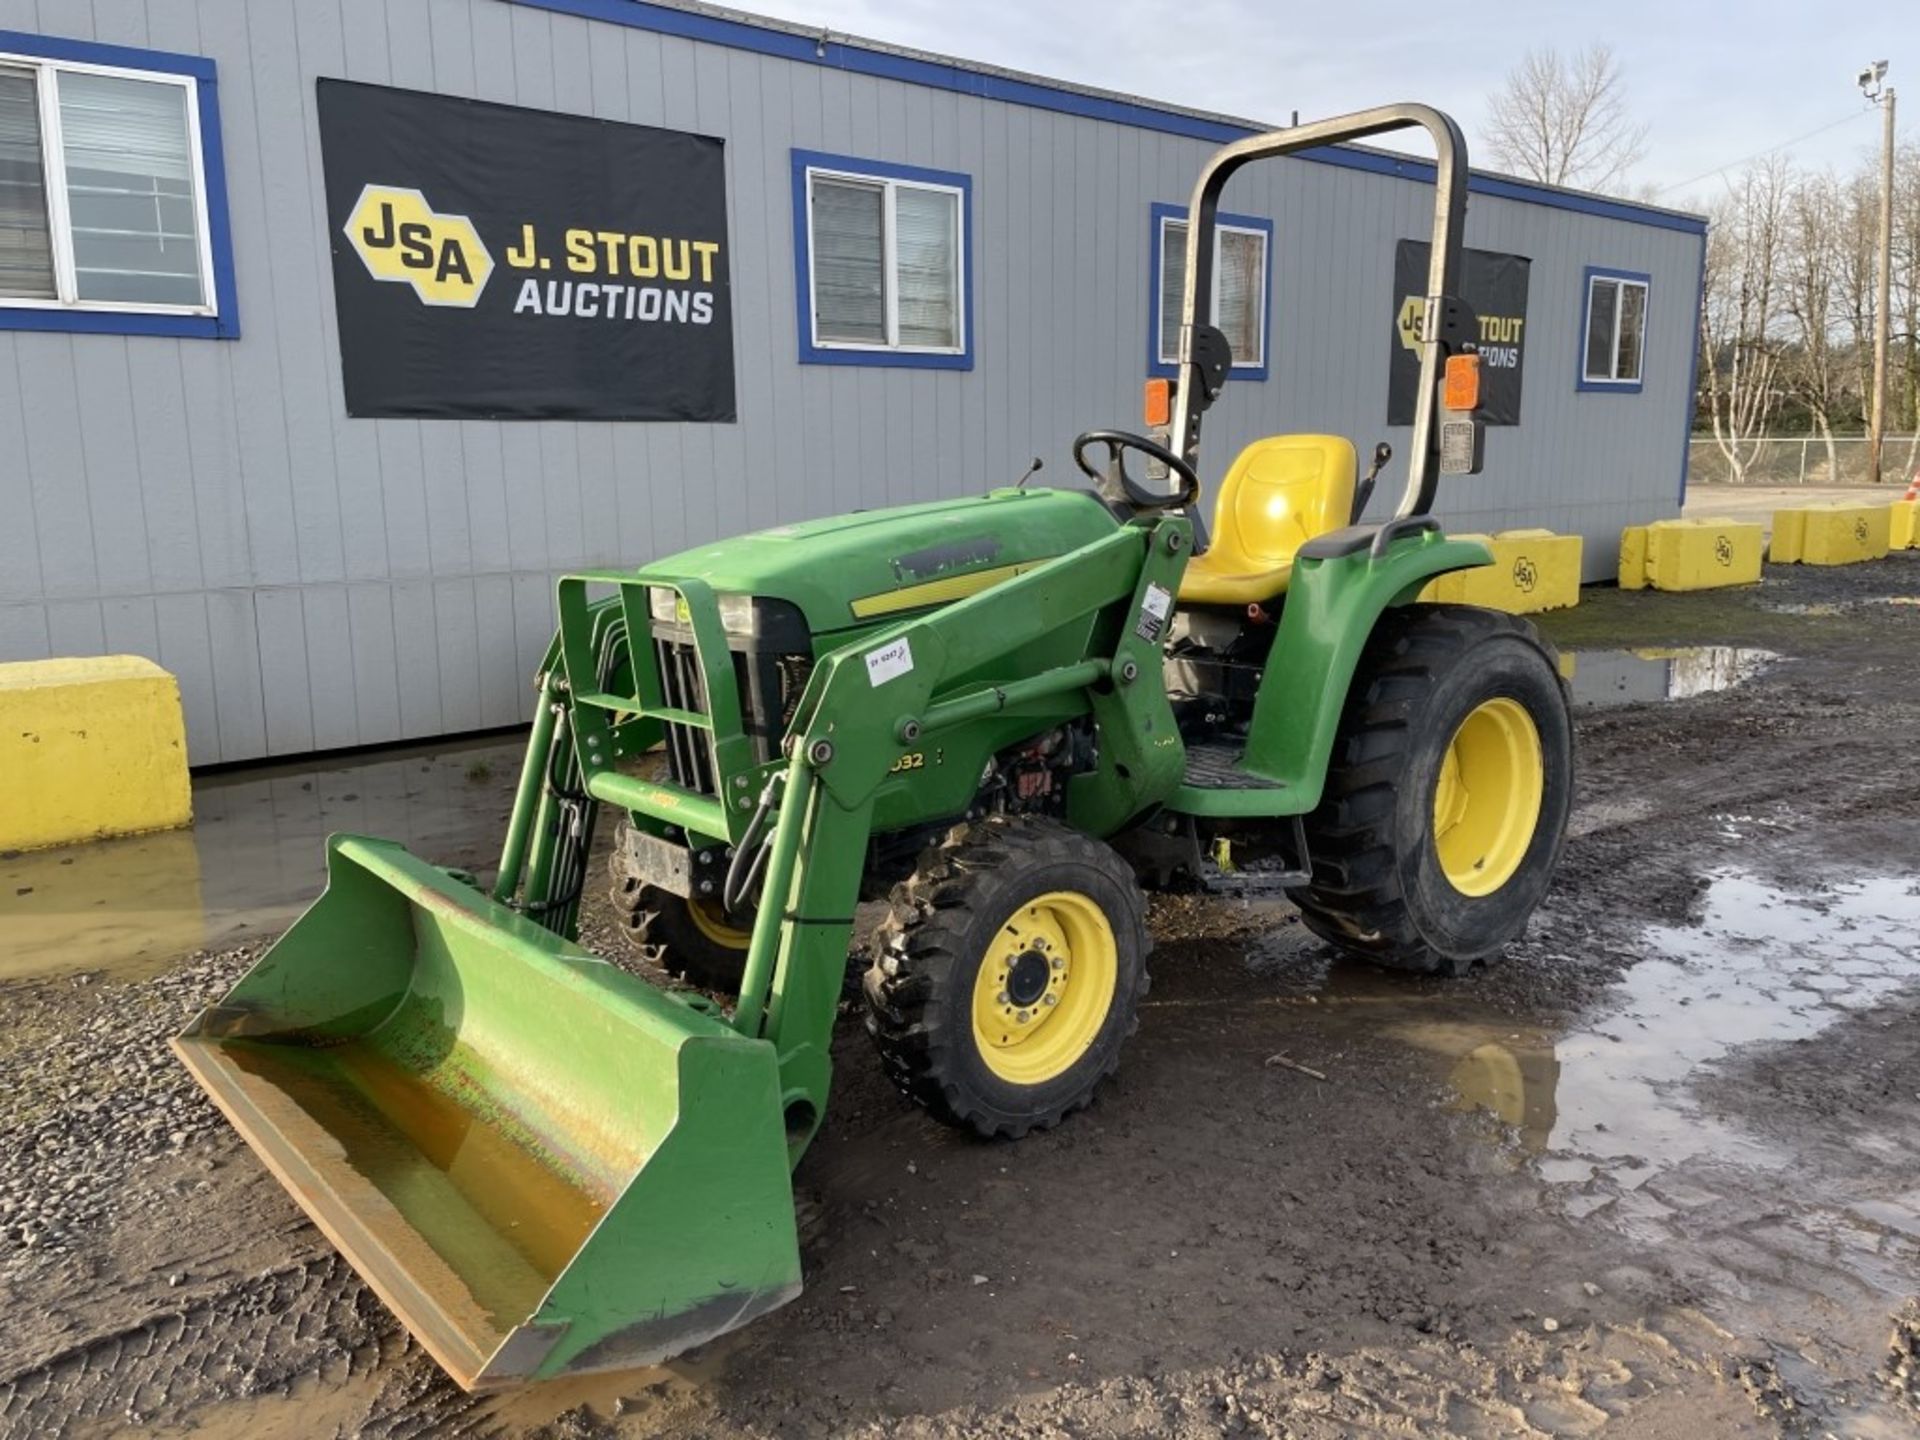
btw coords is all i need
(1162, 212)
(936, 74)
(1610, 387)
(224, 323)
(812, 354)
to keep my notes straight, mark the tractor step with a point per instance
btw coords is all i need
(1214, 764)
(1253, 884)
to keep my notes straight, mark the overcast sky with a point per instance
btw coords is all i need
(1714, 80)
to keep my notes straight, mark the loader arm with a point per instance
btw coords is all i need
(866, 702)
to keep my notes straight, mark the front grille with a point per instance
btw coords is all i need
(769, 687)
(689, 757)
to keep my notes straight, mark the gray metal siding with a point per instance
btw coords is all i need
(320, 582)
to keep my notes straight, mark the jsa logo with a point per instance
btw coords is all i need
(400, 237)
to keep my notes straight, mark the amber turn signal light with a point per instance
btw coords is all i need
(1158, 406)
(1462, 391)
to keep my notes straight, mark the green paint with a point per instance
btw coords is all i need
(528, 1113)
(823, 566)
(1332, 607)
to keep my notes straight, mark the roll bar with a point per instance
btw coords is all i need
(1203, 353)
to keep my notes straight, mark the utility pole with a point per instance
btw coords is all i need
(1880, 95)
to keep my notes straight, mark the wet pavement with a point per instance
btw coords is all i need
(254, 858)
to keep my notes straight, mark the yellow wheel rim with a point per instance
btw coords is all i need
(711, 921)
(1044, 987)
(1486, 804)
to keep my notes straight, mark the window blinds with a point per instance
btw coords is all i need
(849, 262)
(1239, 290)
(26, 248)
(925, 228)
(1603, 297)
(130, 199)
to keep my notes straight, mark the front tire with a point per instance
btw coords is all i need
(1447, 798)
(1008, 975)
(694, 940)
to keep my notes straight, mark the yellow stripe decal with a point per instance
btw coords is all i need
(938, 592)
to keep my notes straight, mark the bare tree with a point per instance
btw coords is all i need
(1565, 120)
(1741, 349)
(1789, 309)
(1858, 242)
(1810, 263)
(1904, 406)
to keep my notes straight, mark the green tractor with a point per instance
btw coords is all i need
(1008, 715)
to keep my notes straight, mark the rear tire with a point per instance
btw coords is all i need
(1008, 975)
(692, 939)
(1447, 797)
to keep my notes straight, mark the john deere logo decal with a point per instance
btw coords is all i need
(1723, 549)
(401, 237)
(1525, 575)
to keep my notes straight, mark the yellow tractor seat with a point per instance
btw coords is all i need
(1281, 492)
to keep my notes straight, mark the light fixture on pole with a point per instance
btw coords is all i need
(1871, 84)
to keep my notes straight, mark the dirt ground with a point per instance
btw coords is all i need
(1655, 1174)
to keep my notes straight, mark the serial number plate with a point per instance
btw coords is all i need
(1459, 447)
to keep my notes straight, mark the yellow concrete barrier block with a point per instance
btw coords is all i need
(1633, 558)
(90, 748)
(1903, 525)
(1839, 533)
(1700, 554)
(1532, 570)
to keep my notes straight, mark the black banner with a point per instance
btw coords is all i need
(1495, 285)
(502, 263)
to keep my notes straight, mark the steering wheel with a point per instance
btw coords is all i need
(1116, 479)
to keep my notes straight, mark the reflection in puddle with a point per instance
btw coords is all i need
(253, 859)
(1629, 677)
(1762, 965)
(1609, 1098)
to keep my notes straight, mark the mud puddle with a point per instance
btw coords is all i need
(253, 859)
(1606, 1105)
(1603, 678)
(1761, 965)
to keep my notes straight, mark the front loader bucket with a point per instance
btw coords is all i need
(540, 1163)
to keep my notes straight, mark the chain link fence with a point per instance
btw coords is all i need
(1799, 461)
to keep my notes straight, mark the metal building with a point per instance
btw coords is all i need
(264, 419)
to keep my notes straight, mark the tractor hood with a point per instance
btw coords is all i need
(868, 567)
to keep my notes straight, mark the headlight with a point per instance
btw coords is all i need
(665, 605)
(737, 614)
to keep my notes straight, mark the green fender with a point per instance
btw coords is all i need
(1333, 603)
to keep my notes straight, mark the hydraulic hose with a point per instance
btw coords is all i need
(749, 856)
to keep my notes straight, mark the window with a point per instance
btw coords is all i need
(107, 218)
(883, 267)
(1613, 339)
(1241, 288)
